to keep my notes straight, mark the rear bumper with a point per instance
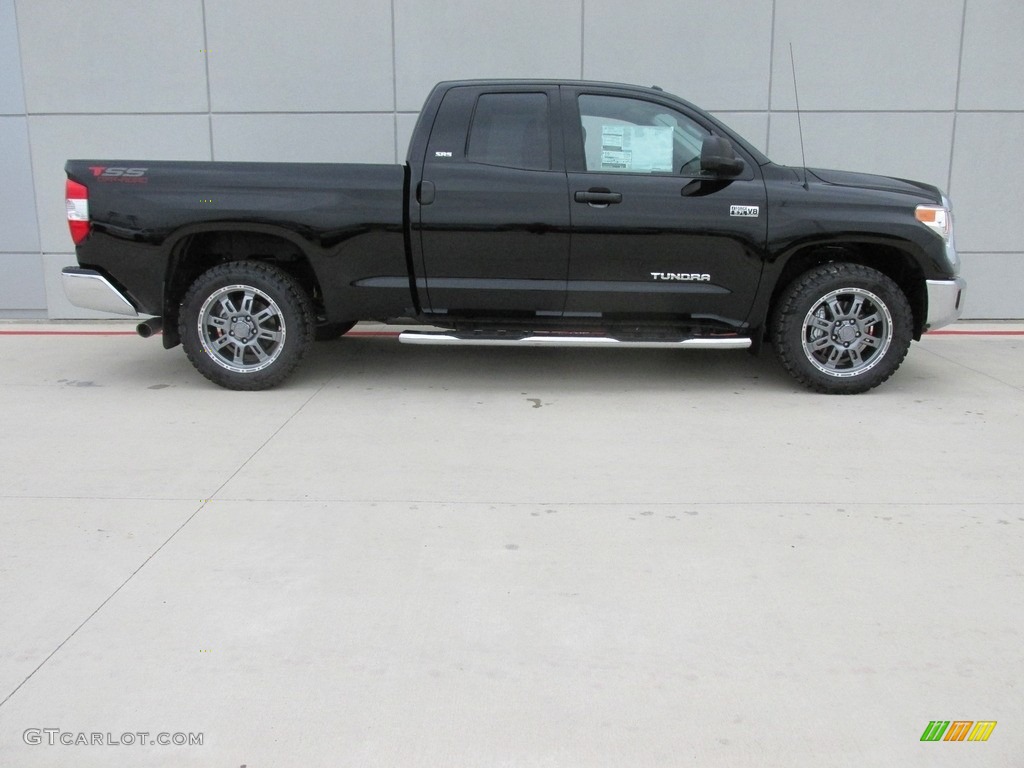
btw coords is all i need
(89, 289)
(945, 302)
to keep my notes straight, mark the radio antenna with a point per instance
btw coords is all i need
(799, 122)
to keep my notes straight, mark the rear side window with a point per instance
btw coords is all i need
(512, 130)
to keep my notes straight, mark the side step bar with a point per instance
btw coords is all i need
(545, 340)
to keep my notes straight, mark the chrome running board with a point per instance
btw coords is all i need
(553, 340)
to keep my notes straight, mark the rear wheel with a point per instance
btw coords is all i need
(842, 328)
(245, 325)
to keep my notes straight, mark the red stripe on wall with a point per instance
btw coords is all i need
(132, 333)
(975, 333)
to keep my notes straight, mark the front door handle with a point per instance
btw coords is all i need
(598, 197)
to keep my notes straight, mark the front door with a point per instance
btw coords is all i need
(653, 237)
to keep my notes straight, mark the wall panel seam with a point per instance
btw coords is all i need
(28, 139)
(956, 97)
(583, 36)
(394, 80)
(771, 73)
(215, 113)
(206, 69)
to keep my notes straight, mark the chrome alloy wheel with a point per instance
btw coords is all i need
(241, 328)
(847, 332)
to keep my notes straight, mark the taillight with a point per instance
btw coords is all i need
(78, 210)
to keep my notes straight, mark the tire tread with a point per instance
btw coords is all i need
(792, 307)
(239, 272)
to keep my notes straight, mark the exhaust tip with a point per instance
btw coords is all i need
(147, 328)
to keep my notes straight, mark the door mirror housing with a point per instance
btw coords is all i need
(718, 157)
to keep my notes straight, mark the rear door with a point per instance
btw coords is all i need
(493, 205)
(654, 238)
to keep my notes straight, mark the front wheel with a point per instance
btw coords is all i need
(842, 328)
(245, 325)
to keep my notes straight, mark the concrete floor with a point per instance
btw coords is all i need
(464, 557)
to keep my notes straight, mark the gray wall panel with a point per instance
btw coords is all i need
(21, 286)
(988, 181)
(993, 285)
(20, 230)
(269, 56)
(12, 97)
(993, 58)
(905, 144)
(406, 126)
(714, 54)
(112, 56)
(472, 39)
(55, 139)
(305, 138)
(867, 55)
(752, 126)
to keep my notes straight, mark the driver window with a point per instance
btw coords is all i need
(623, 135)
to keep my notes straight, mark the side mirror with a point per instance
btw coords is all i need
(717, 156)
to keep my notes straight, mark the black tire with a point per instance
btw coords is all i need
(332, 331)
(842, 328)
(245, 325)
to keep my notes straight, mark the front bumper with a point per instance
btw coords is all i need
(945, 302)
(89, 289)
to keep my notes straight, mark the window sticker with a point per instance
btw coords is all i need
(637, 148)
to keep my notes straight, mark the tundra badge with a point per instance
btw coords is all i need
(686, 277)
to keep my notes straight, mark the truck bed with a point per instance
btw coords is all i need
(346, 216)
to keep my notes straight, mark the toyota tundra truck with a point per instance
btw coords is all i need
(527, 213)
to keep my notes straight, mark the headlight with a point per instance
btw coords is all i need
(937, 218)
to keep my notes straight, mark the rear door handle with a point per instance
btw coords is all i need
(425, 193)
(599, 197)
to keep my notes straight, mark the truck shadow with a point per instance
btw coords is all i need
(593, 370)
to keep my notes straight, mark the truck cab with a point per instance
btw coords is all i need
(584, 204)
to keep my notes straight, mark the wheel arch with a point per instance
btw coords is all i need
(195, 249)
(893, 261)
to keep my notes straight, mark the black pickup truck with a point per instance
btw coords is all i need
(527, 213)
